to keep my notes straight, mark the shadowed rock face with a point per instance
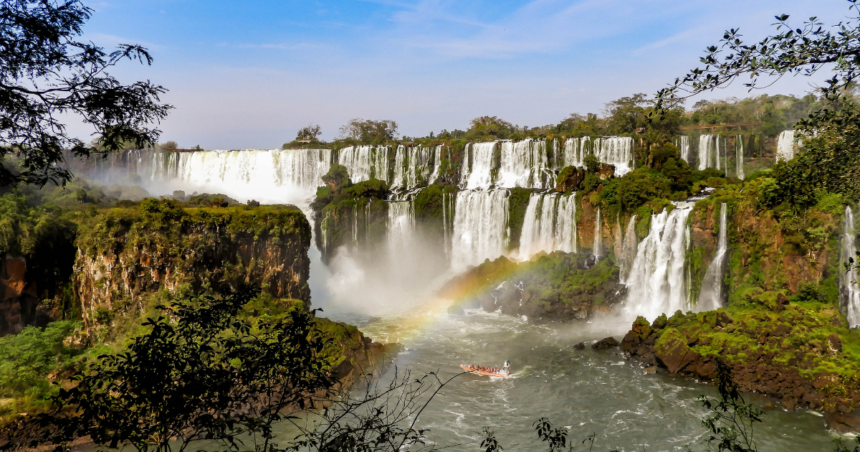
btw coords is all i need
(28, 288)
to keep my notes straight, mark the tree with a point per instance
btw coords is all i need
(489, 127)
(203, 371)
(369, 131)
(169, 145)
(800, 50)
(46, 73)
(310, 132)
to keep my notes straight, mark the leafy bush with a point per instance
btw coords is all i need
(27, 358)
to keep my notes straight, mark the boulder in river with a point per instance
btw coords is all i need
(603, 344)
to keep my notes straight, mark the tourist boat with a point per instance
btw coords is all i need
(486, 371)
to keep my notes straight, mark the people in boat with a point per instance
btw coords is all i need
(507, 367)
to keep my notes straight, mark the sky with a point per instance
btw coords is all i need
(249, 74)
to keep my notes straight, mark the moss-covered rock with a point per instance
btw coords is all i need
(555, 287)
(125, 253)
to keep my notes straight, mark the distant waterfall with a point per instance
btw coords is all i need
(575, 150)
(739, 157)
(401, 222)
(365, 162)
(437, 165)
(411, 166)
(597, 238)
(480, 227)
(302, 168)
(711, 297)
(480, 175)
(849, 292)
(785, 146)
(709, 152)
(549, 224)
(683, 144)
(657, 283)
(628, 253)
(523, 164)
(616, 151)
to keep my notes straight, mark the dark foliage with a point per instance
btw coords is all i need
(200, 372)
(46, 73)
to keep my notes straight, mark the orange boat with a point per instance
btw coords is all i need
(486, 371)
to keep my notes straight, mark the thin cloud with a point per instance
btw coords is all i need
(275, 46)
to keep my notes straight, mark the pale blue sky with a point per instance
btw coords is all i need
(249, 74)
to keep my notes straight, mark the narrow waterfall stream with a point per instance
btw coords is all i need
(849, 291)
(598, 239)
(365, 162)
(739, 157)
(712, 297)
(657, 283)
(629, 248)
(785, 146)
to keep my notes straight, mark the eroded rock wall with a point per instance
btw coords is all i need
(125, 255)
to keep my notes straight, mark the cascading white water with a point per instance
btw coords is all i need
(628, 250)
(683, 144)
(480, 176)
(256, 169)
(616, 151)
(709, 152)
(523, 164)
(739, 158)
(849, 291)
(657, 283)
(598, 240)
(711, 296)
(575, 150)
(785, 146)
(437, 165)
(411, 166)
(480, 227)
(401, 223)
(549, 224)
(365, 162)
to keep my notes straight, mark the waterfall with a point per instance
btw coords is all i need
(411, 166)
(480, 176)
(401, 222)
(628, 250)
(785, 146)
(465, 166)
(616, 151)
(657, 283)
(365, 162)
(549, 224)
(575, 150)
(709, 152)
(301, 168)
(683, 144)
(849, 292)
(739, 158)
(480, 227)
(597, 238)
(437, 165)
(523, 164)
(711, 296)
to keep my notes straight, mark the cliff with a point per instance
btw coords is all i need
(125, 254)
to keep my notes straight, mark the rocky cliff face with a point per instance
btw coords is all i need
(124, 255)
